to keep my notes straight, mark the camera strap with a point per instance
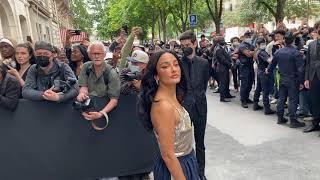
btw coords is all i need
(96, 127)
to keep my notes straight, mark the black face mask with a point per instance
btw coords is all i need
(187, 51)
(42, 61)
(221, 42)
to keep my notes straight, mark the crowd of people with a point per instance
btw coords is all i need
(279, 65)
(171, 80)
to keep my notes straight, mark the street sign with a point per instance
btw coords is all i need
(193, 20)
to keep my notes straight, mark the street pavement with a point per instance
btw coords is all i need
(242, 144)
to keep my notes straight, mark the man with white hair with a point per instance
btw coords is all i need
(97, 78)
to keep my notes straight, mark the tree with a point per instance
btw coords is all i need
(215, 8)
(265, 10)
(243, 16)
(180, 10)
(82, 19)
(275, 7)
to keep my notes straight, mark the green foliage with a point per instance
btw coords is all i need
(82, 18)
(123, 12)
(301, 9)
(251, 11)
(245, 15)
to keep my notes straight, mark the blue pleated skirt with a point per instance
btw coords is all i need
(188, 163)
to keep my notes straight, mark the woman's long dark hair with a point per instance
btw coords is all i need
(149, 88)
(32, 59)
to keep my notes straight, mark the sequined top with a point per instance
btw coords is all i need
(184, 139)
(183, 143)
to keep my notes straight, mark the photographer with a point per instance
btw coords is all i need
(131, 77)
(97, 78)
(10, 90)
(49, 79)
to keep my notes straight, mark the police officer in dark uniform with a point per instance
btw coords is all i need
(291, 68)
(246, 52)
(264, 81)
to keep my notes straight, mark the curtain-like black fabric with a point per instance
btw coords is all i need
(44, 140)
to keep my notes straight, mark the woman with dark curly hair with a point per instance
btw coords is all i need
(79, 56)
(163, 90)
(24, 58)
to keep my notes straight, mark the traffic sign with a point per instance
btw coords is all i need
(193, 20)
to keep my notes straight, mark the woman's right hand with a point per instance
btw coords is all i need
(13, 72)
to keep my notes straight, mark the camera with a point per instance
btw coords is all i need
(85, 106)
(60, 86)
(130, 76)
(305, 49)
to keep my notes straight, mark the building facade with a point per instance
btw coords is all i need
(23, 20)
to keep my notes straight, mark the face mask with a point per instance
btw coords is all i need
(187, 51)
(248, 40)
(263, 46)
(42, 61)
(134, 69)
(221, 42)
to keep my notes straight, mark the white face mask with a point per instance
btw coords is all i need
(134, 68)
(248, 40)
(263, 46)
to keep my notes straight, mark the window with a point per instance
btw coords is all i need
(39, 31)
(48, 39)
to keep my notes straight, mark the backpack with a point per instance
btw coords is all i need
(105, 74)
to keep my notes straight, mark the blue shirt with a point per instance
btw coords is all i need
(290, 62)
(244, 60)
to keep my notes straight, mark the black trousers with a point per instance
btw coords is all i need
(235, 78)
(224, 84)
(315, 99)
(288, 88)
(246, 79)
(263, 85)
(199, 123)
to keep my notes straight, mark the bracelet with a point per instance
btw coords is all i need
(105, 126)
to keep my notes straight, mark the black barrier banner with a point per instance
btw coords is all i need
(45, 140)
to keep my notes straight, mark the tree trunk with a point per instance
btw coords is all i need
(216, 14)
(163, 20)
(279, 16)
(153, 26)
(217, 23)
(164, 33)
(159, 28)
(184, 26)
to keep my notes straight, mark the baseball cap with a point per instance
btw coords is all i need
(109, 55)
(139, 56)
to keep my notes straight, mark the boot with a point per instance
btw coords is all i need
(282, 120)
(268, 110)
(311, 128)
(256, 107)
(224, 100)
(294, 123)
(249, 101)
(244, 105)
